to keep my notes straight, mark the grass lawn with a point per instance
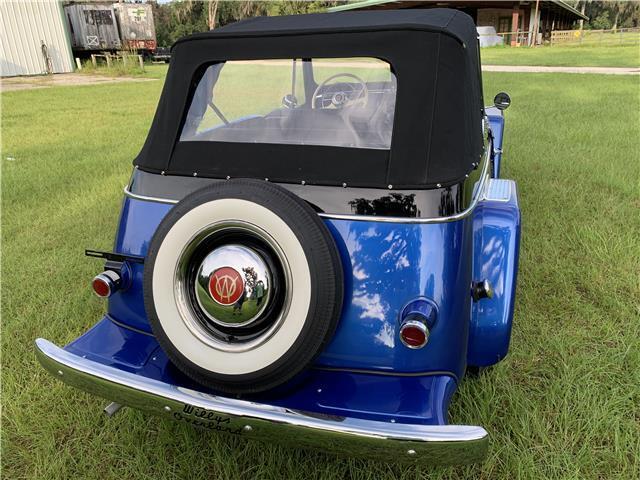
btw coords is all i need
(564, 404)
(561, 56)
(151, 70)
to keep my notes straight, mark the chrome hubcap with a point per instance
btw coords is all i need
(233, 286)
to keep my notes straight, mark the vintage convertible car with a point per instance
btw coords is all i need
(315, 244)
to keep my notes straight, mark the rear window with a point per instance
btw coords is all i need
(345, 102)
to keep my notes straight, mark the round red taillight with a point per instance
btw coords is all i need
(101, 287)
(106, 283)
(414, 334)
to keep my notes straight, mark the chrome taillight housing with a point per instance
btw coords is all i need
(416, 320)
(106, 283)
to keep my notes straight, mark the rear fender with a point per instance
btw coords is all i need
(496, 244)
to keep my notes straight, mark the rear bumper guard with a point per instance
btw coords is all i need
(423, 444)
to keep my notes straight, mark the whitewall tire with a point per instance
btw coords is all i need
(310, 290)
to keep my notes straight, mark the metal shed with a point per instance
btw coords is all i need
(24, 28)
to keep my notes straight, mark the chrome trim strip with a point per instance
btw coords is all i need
(130, 194)
(424, 444)
(477, 196)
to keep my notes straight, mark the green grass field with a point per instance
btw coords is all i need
(565, 56)
(118, 69)
(564, 404)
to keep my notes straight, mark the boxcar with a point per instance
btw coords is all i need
(136, 25)
(93, 27)
(99, 27)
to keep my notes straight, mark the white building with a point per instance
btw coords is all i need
(33, 38)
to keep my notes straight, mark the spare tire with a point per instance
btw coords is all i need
(243, 285)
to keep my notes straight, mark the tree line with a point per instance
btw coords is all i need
(183, 17)
(609, 15)
(179, 18)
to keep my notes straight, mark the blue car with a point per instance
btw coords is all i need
(315, 244)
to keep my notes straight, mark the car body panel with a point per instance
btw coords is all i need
(416, 399)
(496, 239)
(386, 266)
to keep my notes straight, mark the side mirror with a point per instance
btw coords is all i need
(289, 101)
(502, 101)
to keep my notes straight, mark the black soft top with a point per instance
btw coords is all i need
(451, 22)
(437, 133)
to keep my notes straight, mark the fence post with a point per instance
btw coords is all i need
(94, 61)
(124, 59)
(141, 61)
(108, 57)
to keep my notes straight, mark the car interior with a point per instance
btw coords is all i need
(343, 110)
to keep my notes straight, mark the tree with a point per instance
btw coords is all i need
(177, 19)
(625, 13)
(606, 15)
(184, 17)
(633, 18)
(212, 11)
(601, 22)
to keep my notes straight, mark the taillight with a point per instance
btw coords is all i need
(414, 334)
(416, 319)
(106, 284)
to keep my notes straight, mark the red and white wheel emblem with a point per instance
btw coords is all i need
(226, 286)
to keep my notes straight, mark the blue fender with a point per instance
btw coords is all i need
(496, 244)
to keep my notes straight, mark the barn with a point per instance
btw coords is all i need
(516, 21)
(34, 39)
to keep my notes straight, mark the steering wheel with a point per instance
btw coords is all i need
(341, 99)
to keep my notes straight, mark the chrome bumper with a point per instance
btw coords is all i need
(424, 444)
